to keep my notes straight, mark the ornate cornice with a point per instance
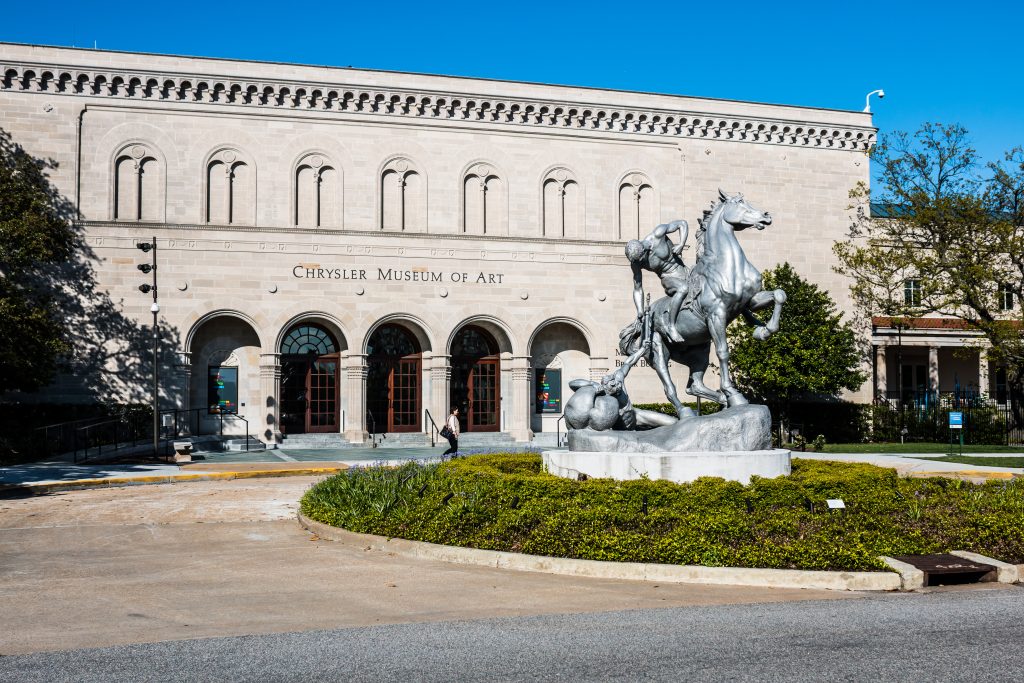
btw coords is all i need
(419, 104)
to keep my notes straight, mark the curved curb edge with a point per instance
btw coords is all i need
(111, 482)
(633, 571)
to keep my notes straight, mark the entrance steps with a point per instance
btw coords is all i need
(315, 440)
(222, 444)
(549, 439)
(484, 439)
(420, 440)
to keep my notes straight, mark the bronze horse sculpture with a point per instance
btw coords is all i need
(723, 285)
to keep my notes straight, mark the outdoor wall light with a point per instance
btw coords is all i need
(144, 246)
(146, 268)
(145, 289)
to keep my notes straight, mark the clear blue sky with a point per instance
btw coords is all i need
(938, 61)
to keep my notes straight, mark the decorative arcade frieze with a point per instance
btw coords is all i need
(281, 95)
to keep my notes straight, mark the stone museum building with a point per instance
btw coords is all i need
(348, 252)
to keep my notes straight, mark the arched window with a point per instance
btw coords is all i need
(317, 190)
(636, 206)
(230, 189)
(138, 185)
(484, 202)
(403, 197)
(304, 339)
(562, 211)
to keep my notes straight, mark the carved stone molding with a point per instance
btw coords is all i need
(192, 89)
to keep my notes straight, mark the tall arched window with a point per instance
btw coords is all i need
(138, 185)
(484, 202)
(562, 210)
(403, 197)
(317, 188)
(637, 214)
(230, 189)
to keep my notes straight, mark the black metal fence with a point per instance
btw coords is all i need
(924, 416)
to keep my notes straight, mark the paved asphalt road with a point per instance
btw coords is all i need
(966, 635)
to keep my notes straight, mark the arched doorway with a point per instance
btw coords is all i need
(393, 380)
(476, 380)
(309, 380)
(559, 353)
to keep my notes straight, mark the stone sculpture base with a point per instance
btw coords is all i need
(743, 428)
(678, 467)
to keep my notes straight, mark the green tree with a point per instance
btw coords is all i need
(35, 236)
(815, 351)
(953, 226)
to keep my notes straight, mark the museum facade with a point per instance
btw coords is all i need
(350, 252)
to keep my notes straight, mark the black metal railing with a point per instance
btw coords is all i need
(432, 428)
(558, 431)
(57, 438)
(371, 426)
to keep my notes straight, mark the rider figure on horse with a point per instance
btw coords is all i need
(657, 254)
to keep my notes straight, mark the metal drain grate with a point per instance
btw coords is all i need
(944, 569)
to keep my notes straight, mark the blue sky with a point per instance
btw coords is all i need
(937, 61)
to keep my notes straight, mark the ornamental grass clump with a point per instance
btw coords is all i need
(503, 501)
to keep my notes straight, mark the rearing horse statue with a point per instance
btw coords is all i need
(723, 285)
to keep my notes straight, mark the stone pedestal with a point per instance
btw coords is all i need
(678, 467)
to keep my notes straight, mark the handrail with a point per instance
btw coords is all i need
(433, 428)
(372, 424)
(558, 431)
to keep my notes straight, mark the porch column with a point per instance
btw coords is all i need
(881, 372)
(933, 368)
(521, 403)
(270, 390)
(440, 389)
(355, 418)
(984, 387)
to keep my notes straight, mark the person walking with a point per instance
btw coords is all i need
(451, 432)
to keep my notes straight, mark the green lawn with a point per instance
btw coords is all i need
(916, 447)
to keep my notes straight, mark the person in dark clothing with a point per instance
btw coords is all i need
(451, 432)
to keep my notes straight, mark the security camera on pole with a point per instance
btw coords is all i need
(155, 308)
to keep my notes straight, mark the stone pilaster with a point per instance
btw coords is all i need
(355, 418)
(440, 389)
(519, 427)
(599, 367)
(270, 393)
(182, 398)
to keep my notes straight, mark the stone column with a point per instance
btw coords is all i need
(440, 389)
(933, 368)
(355, 419)
(881, 372)
(270, 391)
(599, 367)
(520, 423)
(984, 386)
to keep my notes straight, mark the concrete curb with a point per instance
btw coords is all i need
(112, 482)
(1005, 572)
(634, 571)
(911, 577)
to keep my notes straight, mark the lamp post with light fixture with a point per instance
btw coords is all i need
(867, 99)
(155, 309)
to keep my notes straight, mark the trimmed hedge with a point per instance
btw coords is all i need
(503, 501)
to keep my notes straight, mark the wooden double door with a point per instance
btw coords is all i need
(476, 380)
(394, 381)
(309, 394)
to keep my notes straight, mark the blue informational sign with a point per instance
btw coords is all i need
(956, 420)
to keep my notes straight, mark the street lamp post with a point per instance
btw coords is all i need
(155, 309)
